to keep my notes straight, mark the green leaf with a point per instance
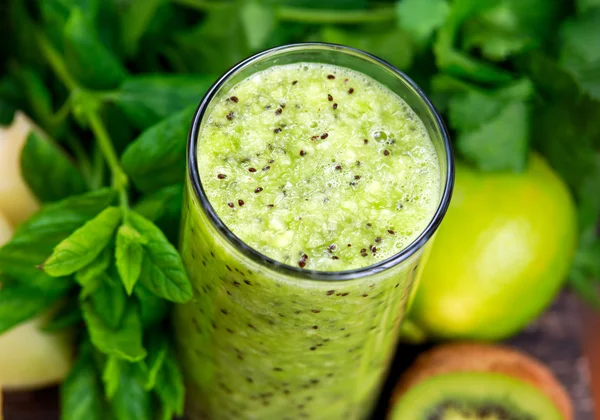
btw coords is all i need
(67, 316)
(129, 254)
(152, 308)
(158, 156)
(495, 43)
(170, 387)
(10, 101)
(80, 393)
(470, 111)
(580, 52)
(84, 245)
(565, 127)
(109, 300)
(89, 60)
(49, 173)
(37, 94)
(111, 376)
(147, 99)
(421, 17)
(158, 348)
(125, 341)
(473, 107)
(21, 25)
(392, 44)
(586, 5)
(135, 18)
(19, 303)
(91, 276)
(154, 206)
(162, 270)
(131, 401)
(589, 201)
(512, 27)
(163, 207)
(585, 273)
(34, 240)
(214, 45)
(460, 64)
(259, 21)
(500, 144)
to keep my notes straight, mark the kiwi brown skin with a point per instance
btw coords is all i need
(477, 357)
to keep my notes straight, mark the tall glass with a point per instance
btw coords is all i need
(265, 340)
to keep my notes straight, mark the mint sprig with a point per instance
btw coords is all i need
(109, 271)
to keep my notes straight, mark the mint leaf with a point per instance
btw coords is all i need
(90, 276)
(170, 387)
(162, 270)
(135, 18)
(37, 93)
(163, 207)
(129, 254)
(258, 21)
(109, 299)
(19, 303)
(158, 349)
(148, 98)
(111, 375)
(152, 308)
(80, 393)
(124, 341)
(35, 239)
(130, 400)
(68, 315)
(500, 144)
(219, 40)
(83, 245)
(154, 206)
(47, 170)
(421, 17)
(86, 56)
(158, 157)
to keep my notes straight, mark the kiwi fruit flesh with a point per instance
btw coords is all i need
(474, 396)
(473, 381)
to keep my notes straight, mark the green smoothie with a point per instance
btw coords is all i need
(318, 167)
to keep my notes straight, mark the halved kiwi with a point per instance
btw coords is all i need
(478, 381)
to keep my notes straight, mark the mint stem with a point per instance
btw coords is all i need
(119, 179)
(57, 63)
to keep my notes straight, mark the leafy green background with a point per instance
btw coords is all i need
(114, 83)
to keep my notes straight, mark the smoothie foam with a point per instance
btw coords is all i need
(319, 166)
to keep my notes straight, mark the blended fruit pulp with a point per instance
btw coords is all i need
(322, 168)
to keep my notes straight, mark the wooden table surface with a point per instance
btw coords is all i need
(555, 338)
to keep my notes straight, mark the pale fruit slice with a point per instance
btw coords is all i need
(16, 200)
(6, 230)
(30, 358)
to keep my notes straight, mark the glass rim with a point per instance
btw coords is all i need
(284, 268)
